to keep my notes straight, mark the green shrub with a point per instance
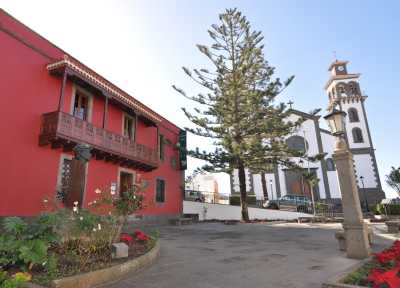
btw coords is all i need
(391, 209)
(15, 282)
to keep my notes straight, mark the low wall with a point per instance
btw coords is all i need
(209, 211)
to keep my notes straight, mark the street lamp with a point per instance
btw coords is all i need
(356, 231)
(365, 196)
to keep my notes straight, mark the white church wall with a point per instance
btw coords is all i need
(321, 187)
(306, 130)
(328, 143)
(236, 181)
(269, 178)
(364, 168)
(282, 182)
(334, 184)
(257, 186)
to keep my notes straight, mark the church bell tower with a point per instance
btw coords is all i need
(344, 93)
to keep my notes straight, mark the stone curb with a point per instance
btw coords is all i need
(106, 275)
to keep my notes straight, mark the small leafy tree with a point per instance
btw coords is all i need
(120, 206)
(393, 179)
(238, 110)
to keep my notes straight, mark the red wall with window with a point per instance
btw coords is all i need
(28, 172)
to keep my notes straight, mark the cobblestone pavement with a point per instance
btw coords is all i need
(211, 255)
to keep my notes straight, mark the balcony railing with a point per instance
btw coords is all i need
(59, 128)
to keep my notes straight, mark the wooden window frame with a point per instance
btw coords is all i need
(77, 89)
(133, 119)
(124, 170)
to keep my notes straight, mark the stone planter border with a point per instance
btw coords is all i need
(335, 281)
(106, 275)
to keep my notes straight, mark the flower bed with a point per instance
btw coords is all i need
(383, 271)
(64, 242)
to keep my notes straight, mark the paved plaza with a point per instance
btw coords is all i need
(211, 255)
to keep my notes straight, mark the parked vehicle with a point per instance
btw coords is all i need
(196, 196)
(291, 202)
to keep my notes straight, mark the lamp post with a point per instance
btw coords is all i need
(356, 231)
(365, 196)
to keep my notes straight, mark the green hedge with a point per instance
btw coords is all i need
(235, 200)
(391, 209)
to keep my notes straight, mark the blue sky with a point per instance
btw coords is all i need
(142, 45)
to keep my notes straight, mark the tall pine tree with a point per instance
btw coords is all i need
(239, 112)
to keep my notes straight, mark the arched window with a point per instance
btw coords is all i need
(330, 165)
(341, 90)
(353, 115)
(357, 135)
(297, 143)
(353, 88)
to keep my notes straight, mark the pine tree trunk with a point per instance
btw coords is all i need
(243, 193)
(264, 185)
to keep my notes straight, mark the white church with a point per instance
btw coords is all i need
(343, 91)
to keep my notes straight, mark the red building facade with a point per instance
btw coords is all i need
(49, 103)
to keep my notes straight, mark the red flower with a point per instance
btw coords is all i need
(126, 238)
(389, 278)
(141, 236)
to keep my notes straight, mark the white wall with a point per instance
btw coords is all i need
(334, 184)
(362, 125)
(364, 167)
(236, 187)
(209, 211)
(258, 186)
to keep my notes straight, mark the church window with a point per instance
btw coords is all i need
(330, 165)
(357, 135)
(353, 88)
(353, 115)
(341, 89)
(297, 143)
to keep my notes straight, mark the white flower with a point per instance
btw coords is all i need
(94, 230)
(99, 226)
(75, 209)
(112, 192)
(81, 218)
(134, 196)
(94, 202)
(97, 191)
(76, 203)
(109, 213)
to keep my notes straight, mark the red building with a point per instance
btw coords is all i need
(49, 103)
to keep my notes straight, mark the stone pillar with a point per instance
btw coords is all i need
(356, 231)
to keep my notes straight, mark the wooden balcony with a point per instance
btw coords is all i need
(64, 130)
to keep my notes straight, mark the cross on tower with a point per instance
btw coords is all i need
(290, 103)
